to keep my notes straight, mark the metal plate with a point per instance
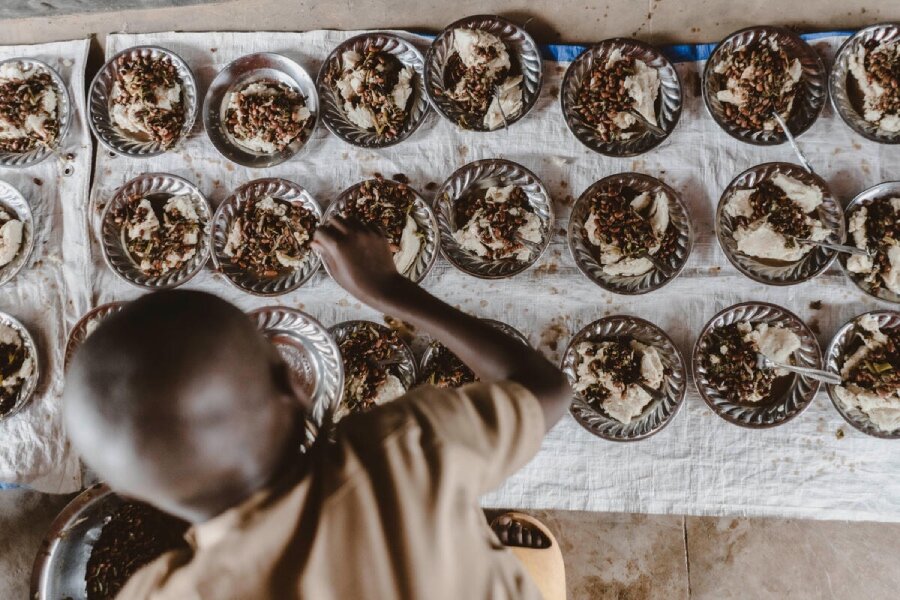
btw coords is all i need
(464, 181)
(231, 208)
(840, 81)
(421, 214)
(810, 95)
(775, 411)
(61, 563)
(658, 413)
(405, 367)
(79, 333)
(310, 351)
(234, 77)
(333, 114)
(669, 103)
(63, 116)
(834, 361)
(882, 191)
(518, 43)
(124, 143)
(434, 346)
(816, 261)
(584, 252)
(15, 204)
(117, 257)
(30, 384)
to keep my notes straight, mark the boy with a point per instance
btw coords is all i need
(178, 401)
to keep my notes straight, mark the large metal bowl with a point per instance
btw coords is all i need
(841, 81)
(521, 48)
(122, 142)
(117, 256)
(234, 77)
(232, 207)
(810, 96)
(816, 261)
(29, 386)
(659, 412)
(838, 349)
(584, 252)
(471, 177)
(669, 102)
(781, 408)
(333, 114)
(15, 204)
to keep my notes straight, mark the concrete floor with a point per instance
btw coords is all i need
(611, 556)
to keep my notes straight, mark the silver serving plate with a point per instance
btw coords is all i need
(816, 261)
(63, 115)
(841, 81)
(310, 350)
(584, 252)
(30, 385)
(659, 412)
(333, 114)
(668, 104)
(112, 235)
(774, 411)
(468, 179)
(403, 361)
(127, 143)
(840, 346)
(231, 208)
(434, 346)
(15, 204)
(519, 44)
(233, 78)
(811, 91)
(79, 332)
(421, 214)
(882, 191)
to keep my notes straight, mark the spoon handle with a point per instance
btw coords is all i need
(837, 247)
(817, 374)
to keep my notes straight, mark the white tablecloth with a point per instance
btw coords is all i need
(700, 464)
(51, 291)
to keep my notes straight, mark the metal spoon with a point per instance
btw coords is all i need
(658, 264)
(793, 142)
(837, 247)
(764, 362)
(500, 106)
(654, 129)
(655, 394)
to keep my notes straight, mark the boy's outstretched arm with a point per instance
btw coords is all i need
(361, 262)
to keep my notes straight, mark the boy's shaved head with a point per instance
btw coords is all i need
(178, 400)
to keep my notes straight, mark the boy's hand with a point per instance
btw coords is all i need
(358, 258)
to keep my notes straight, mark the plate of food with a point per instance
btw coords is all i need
(757, 71)
(495, 218)
(630, 233)
(260, 110)
(769, 218)
(866, 353)
(143, 102)
(20, 369)
(262, 234)
(629, 378)
(483, 73)
(401, 214)
(86, 325)
(378, 366)
(310, 351)
(34, 111)
(98, 542)
(728, 373)
(865, 82)
(16, 232)
(155, 231)
(441, 368)
(621, 97)
(372, 90)
(873, 225)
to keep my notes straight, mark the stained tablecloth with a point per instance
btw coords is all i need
(51, 292)
(816, 466)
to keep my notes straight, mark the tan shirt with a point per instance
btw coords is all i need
(388, 511)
